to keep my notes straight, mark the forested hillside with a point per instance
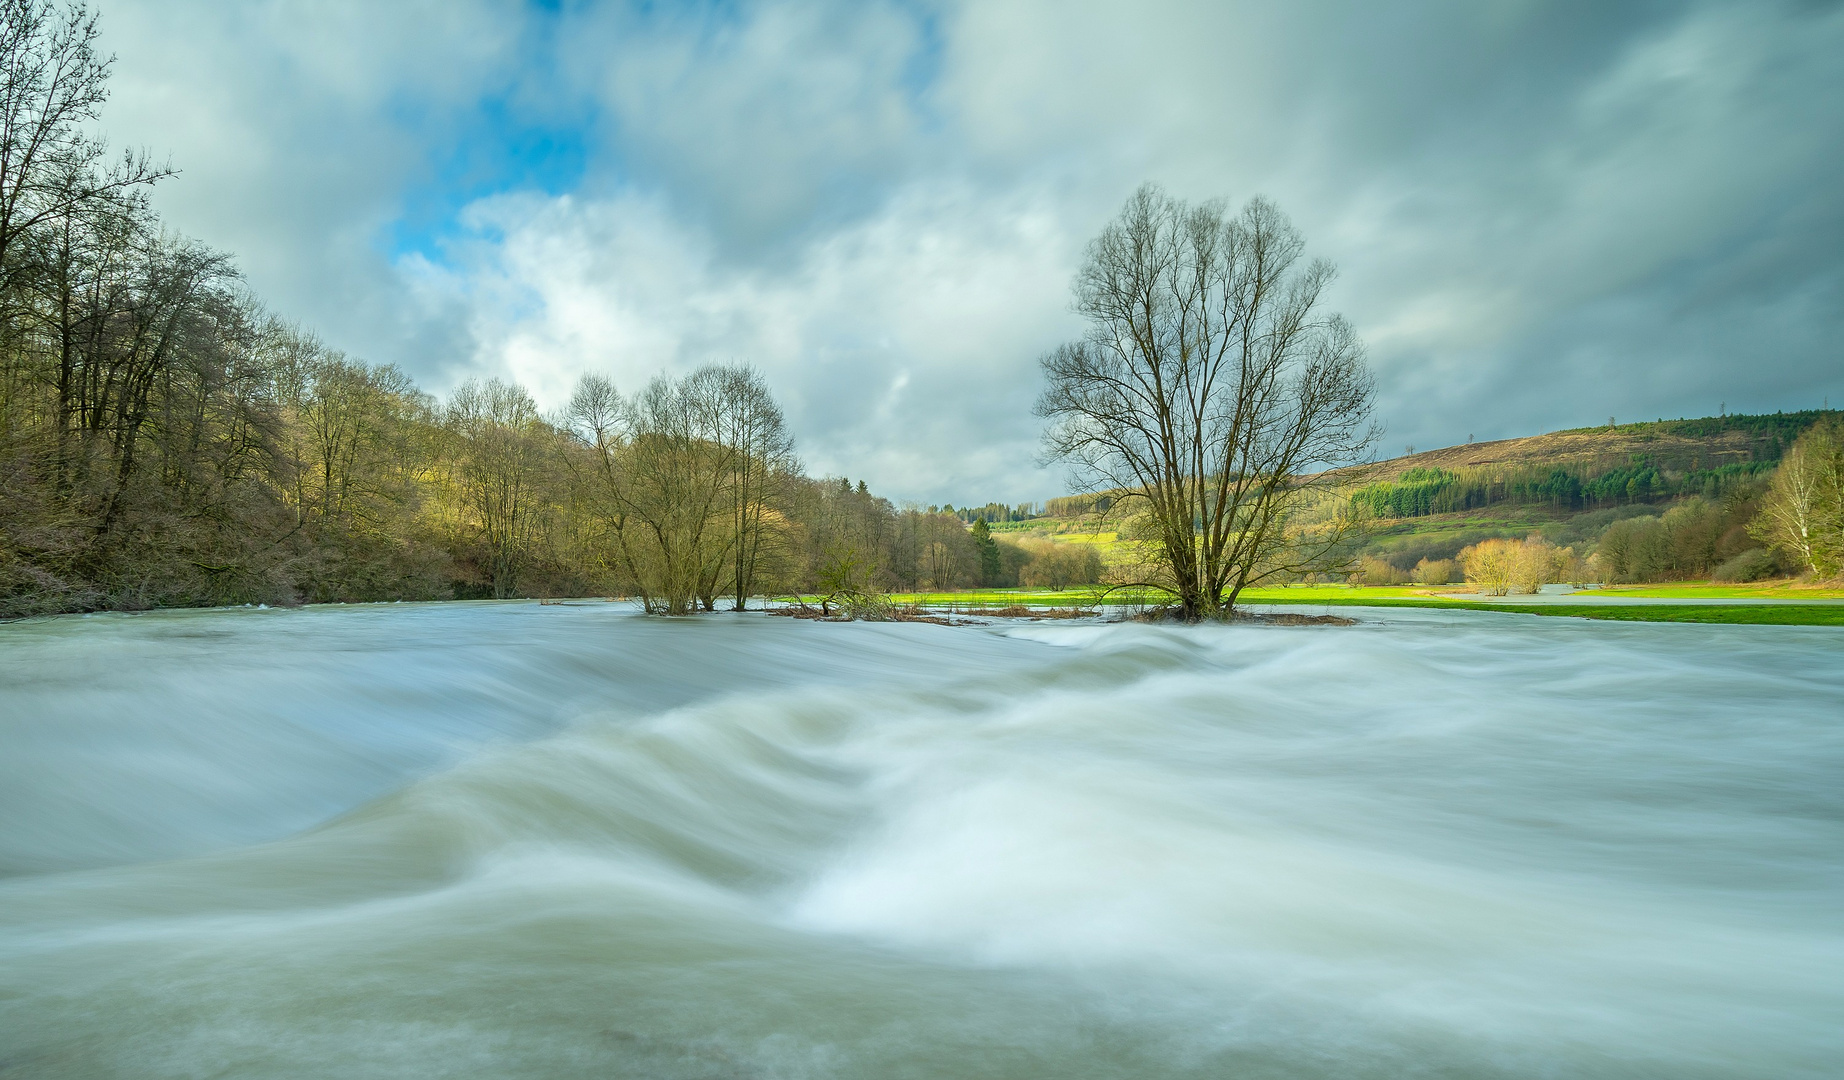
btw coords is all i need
(1587, 468)
(1662, 500)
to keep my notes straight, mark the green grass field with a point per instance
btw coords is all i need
(974, 600)
(1704, 590)
(970, 599)
(1750, 614)
(1083, 596)
(1337, 594)
(1740, 614)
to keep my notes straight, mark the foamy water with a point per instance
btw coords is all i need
(513, 840)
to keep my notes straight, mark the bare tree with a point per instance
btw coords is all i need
(946, 554)
(53, 83)
(1209, 386)
(353, 463)
(665, 476)
(760, 459)
(501, 469)
(689, 475)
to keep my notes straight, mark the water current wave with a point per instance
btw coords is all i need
(512, 840)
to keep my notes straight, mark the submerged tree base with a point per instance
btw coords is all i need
(1291, 618)
(1019, 611)
(894, 613)
(1283, 618)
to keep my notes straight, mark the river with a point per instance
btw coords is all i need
(514, 840)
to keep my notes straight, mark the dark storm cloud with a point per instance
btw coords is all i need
(1545, 214)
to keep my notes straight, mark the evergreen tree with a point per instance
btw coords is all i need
(989, 553)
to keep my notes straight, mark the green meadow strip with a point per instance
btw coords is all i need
(1749, 614)
(1734, 614)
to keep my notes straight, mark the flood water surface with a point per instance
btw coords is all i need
(559, 841)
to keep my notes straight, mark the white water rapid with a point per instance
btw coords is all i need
(512, 840)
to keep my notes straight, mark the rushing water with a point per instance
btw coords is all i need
(510, 840)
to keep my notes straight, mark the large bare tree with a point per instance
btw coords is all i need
(1209, 388)
(500, 472)
(688, 475)
(760, 462)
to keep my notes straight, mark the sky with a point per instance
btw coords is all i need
(1543, 214)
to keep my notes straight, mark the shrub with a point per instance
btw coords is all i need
(1533, 565)
(867, 606)
(1058, 566)
(1013, 558)
(1434, 571)
(1374, 571)
(1500, 567)
(1489, 566)
(1751, 565)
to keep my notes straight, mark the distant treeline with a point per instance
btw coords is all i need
(996, 513)
(1080, 506)
(1769, 435)
(1421, 492)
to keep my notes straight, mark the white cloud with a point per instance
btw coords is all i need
(298, 128)
(881, 204)
(758, 120)
(913, 331)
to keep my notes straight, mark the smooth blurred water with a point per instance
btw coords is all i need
(514, 840)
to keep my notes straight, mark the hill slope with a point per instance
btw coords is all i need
(1702, 444)
(1571, 486)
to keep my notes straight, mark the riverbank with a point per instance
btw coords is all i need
(1785, 608)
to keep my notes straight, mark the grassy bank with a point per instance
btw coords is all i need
(1706, 590)
(974, 600)
(1749, 614)
(1082, 596)
(1752, 614)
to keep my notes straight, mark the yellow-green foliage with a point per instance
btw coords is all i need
(1499, 567)
(1803, 513)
